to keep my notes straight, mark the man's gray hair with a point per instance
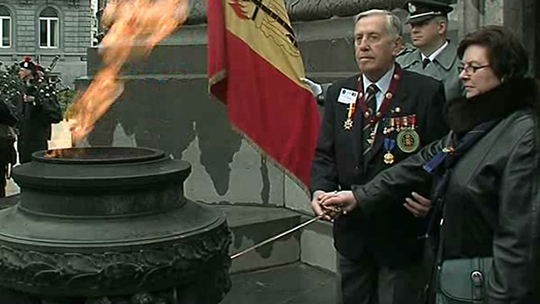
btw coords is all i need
(393, 24)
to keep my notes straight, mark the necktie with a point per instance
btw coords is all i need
(425, 63)
(371, 104)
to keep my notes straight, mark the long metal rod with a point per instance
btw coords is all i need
(274, 238)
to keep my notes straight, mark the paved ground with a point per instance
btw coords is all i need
(61, 138)
(290, 284)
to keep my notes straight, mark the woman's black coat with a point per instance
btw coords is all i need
(492, 202)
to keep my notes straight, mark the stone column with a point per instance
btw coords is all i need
(530, 27)
(470, 16)
(537, 31)
(493, 11)
(513, 15)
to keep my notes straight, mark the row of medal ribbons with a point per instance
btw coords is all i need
(399, 132)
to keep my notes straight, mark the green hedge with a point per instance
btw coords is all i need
(65, 99)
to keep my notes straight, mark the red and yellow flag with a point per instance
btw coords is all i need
(255, 67)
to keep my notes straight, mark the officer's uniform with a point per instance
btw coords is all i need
(443, 64)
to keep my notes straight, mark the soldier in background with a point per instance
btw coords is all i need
(435, 55)
(39, 110)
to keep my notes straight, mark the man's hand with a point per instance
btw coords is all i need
(419, 207)
(316, 205)
(344, 200)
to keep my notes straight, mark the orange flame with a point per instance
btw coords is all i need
(135, 28)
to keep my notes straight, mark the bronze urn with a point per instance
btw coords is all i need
(111, 224)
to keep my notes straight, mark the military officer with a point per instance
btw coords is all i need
(435, 55)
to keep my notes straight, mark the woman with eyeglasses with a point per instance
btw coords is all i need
(484, 221)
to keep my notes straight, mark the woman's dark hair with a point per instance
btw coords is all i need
(507, 55)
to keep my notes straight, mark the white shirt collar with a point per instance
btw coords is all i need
(383, 83)
(437, 52)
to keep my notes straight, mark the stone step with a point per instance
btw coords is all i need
(317, 246)
(313, 245)
(251, 225)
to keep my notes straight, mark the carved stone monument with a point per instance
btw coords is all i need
(110, 225)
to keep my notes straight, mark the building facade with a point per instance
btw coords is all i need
(44, 29)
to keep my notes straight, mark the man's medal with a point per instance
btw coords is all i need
(408, 139)
(389, 145)
(349, 122)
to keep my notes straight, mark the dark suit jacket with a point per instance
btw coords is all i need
(390, 236)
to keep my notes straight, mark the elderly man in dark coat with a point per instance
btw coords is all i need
(372, 121)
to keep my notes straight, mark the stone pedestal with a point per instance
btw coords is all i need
(111, 225)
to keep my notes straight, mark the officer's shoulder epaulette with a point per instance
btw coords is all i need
(406, 50)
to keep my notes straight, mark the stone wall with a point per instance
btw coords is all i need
(522, 16)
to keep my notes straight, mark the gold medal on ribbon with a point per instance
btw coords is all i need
(389, 145)
(349, 122)
(388, 158)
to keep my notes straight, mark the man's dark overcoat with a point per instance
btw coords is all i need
(391, 236)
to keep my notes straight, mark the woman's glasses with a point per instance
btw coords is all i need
(471, 69)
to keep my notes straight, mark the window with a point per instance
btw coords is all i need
(5, 27)
(48, 28)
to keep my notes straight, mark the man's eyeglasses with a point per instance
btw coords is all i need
(471, 69)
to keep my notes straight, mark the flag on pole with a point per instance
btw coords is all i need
(254, 68)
